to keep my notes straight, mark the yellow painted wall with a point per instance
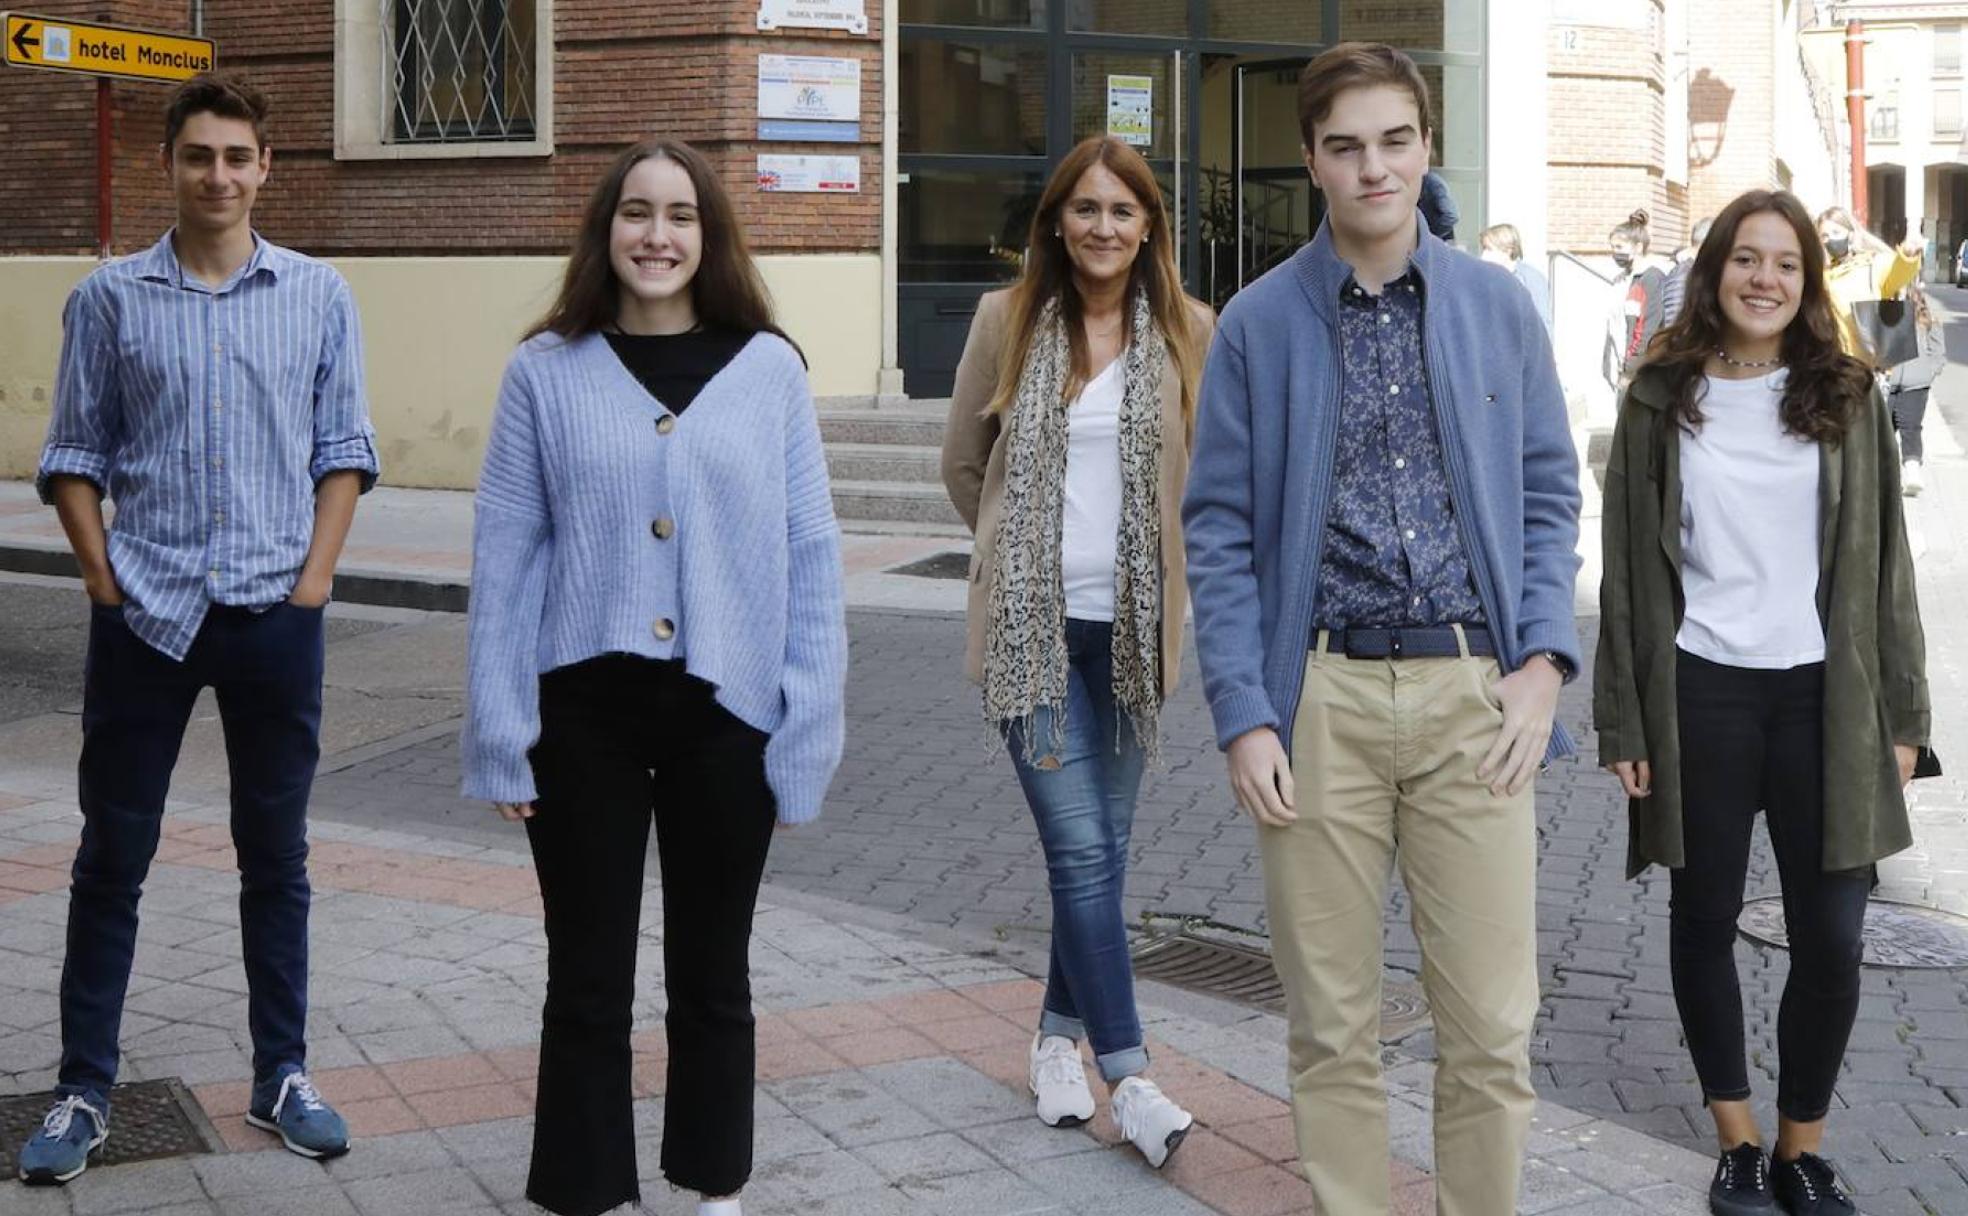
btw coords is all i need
(437, 332)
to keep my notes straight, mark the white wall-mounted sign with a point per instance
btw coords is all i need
(809, 174)
(849, 15)
(809, 88)
(1131, 110)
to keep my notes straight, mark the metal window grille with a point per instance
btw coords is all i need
(459, 71)
(1886, 122)
(1947, 50)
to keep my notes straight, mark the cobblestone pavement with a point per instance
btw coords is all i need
(926, 822)
(891, 1070)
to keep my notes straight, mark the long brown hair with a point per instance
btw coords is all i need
(726, 292)
(1048, 275)
(1825, 384)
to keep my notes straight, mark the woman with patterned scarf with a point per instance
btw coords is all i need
(1066, 453)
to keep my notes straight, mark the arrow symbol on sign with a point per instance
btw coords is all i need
(22, 42)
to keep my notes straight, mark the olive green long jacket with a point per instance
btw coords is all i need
(1875, 655)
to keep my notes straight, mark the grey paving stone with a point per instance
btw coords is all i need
(952, 1094)
(427, 1193)
(794, 1180)
(314, 1201)
(989, 1193)
(849, 1109)
(140, 1186)
(227, 1174)
(1017, 1142)
(1082, 1178)
(924, 1158)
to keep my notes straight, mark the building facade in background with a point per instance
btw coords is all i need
(886, 155)
(1916, 178)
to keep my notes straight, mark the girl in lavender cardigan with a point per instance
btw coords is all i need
(657, 634)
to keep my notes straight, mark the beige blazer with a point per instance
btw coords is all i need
(974, 474)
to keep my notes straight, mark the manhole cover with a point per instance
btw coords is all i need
(147, 1120)
(1244, 973)
(1896, 934)
(939, 565)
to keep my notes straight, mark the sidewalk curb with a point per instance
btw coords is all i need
(353, 585)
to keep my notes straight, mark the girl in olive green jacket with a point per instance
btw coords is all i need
(1760, 649)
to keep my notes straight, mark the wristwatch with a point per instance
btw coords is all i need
(1563, 664)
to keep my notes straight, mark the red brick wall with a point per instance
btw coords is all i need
(622, 69)
(1607, 120)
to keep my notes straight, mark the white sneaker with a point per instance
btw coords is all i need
(1911, 480)
(1058, 1081)
(1149, 1120)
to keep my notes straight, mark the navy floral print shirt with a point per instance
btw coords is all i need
(1393, 554)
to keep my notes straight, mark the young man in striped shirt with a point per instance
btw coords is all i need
(212, 386)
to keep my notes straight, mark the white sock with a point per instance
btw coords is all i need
(718, 1207)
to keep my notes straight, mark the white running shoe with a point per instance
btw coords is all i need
(1149, 1120)
(1058, 1081)
(1912, 482)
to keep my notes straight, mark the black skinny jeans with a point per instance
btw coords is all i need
(625, 740)
(1755, 740)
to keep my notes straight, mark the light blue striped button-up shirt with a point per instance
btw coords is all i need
(207, 415)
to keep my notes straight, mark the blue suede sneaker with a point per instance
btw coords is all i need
(74, 1128)
(289, 1107)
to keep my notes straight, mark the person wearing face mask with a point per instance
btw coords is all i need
(1861, 267)
(1066, 453)
(1502, 246)
(657, 636)
(1761, 650)
(1638, 294)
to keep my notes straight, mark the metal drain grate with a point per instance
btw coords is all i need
(148, 1120)
(937, 565)
(1244, 973)
(1896, 934)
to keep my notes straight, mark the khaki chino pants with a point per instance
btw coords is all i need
(1384, 757)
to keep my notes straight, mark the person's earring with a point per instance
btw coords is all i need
(1055, 232)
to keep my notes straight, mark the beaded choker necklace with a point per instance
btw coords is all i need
(1747, 364)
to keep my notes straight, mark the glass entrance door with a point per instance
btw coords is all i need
(1136, 97)
(1276, 208)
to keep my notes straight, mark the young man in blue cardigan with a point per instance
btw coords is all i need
(1381, 522)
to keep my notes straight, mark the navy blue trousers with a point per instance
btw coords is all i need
(265, 670)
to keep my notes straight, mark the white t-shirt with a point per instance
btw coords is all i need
(1089, 545)
(1749, 532)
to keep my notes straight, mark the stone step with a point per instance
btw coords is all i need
(890, 501)
(907, 463)
(954, 533)
(918, 424)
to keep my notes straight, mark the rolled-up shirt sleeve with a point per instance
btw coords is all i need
(343, 438)
(87, 419)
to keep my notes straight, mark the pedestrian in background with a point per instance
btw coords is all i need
(1760, 648)
(1861, 267)
(212, 386)
(657, 632)
(1502, 246)
(1675, 292)
(1383, 537)
(1066, 453)
(1908, 386)
(1638, 297)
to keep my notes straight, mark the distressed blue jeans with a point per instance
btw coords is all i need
(1082, 796)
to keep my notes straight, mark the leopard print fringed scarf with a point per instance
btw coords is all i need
(1025, 644)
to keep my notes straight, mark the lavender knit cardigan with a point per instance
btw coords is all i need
(566, 564)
